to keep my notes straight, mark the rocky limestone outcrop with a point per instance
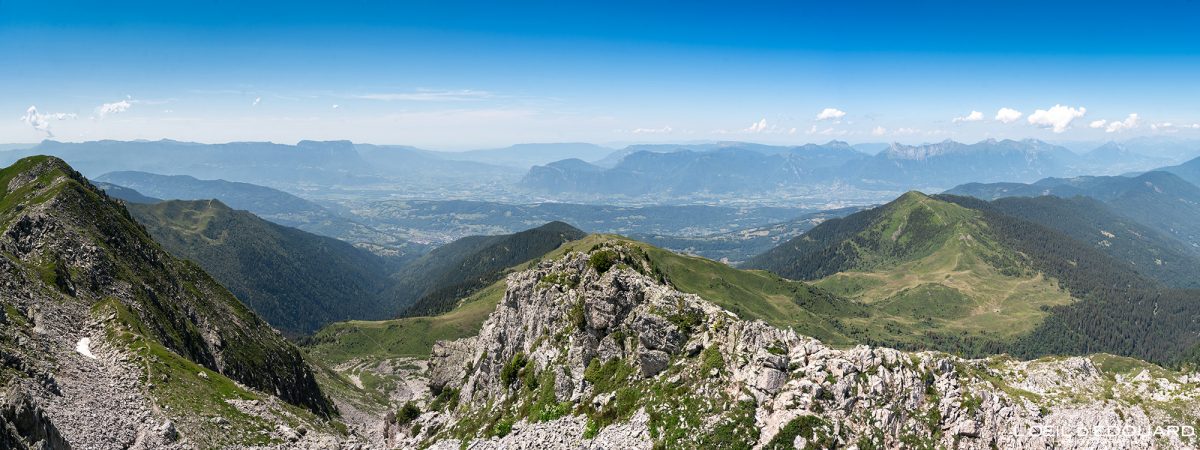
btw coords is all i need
(599, 352)
(23, 425)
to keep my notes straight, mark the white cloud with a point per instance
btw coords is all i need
(1173, 127)
(974, 116)
(829, 131)
(757, 127)
(663, 130)
(1098, 123)
(1008, 115)
(41, 121)
(114, 107)
(1130, 122)
(1058, 117)
(831, 114)
(429, 95)
(336, 106)
(879, 131)
(257, 100)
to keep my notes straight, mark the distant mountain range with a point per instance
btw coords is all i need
(722, 169)
(307, 163)
(635, 174)
(124, 193)
(524, 156)
(261, 200)
(949, 163)
(271, 204)
(665, 171)
(1189, 171)
(1160, 200)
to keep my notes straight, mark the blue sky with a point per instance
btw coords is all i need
(454, 75)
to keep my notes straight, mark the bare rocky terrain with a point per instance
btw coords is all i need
(595, 352)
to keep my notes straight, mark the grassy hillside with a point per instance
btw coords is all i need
(926, 268)
(296, 280)
(955, 290)
(961, 275)
(91, 257)
(435, 282)
(406, 337)
(909, 228)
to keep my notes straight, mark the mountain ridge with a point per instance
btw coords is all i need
(728, 168)
(957, 246)
(297, 281)
(621, 360)
(434, 282)
(118, 336)
(266, 202)
(1158, 199)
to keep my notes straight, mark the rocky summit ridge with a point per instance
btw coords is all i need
(596, 350)
(107, 341)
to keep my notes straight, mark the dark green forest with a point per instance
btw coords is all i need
(296, 280)
(437, 281)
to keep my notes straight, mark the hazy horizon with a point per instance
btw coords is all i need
(1077, 146)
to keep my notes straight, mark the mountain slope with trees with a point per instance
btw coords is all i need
(1160, 200)
(1145, 250)
(948, 260)
(433, 283)
(110, 337)
(296, 280)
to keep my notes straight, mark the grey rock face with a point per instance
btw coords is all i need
(784, 382)
(23, 425)
(652, 362)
